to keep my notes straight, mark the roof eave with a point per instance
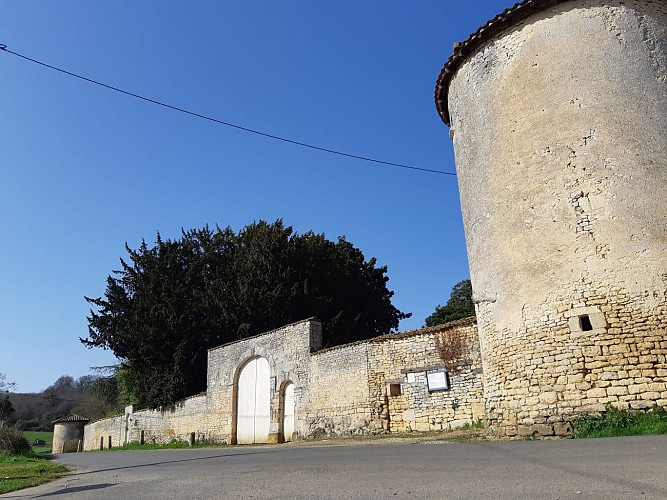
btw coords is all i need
(462, 50)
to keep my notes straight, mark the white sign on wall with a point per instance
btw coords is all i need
(436, 380)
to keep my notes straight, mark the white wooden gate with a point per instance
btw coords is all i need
(253, 405)
(288, 416)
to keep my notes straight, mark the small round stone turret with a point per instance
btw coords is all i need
(68, 434)
(558, 115)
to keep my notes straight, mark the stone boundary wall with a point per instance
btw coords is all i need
(339, 402)
(351, 385)
(340, 391)
(177, 422)
(160, 426)
(108, 430)
(211, 415)
(403, 360)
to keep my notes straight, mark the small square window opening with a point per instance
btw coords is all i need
(585, 323)
(394, 389)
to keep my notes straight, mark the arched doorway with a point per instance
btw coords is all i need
(253, 402)
(288, 411)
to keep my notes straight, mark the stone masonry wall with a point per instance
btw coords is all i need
(539, 386)
(560, 136)
(340, 391)
(211, 416)
(403, 360)
(287, 350)
(161, 426)
(96, 434)
(339, 403)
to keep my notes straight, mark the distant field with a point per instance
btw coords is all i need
(31, 436)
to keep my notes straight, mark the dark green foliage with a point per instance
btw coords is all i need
(27, 425)
(171, 302)
(106, 389)
(615, 422)
(459, 305)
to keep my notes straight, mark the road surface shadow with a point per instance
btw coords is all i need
(76, 489)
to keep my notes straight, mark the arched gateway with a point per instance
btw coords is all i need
(288, 411)
(253, 402)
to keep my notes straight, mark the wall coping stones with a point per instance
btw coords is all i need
(426, 330)
(404, 335)
(263, 334)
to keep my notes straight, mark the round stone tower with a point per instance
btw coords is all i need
(558, 114)
(68, 434)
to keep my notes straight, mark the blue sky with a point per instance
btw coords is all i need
(84, 170)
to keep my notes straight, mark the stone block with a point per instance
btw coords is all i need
(562, 428)
(637, 388)
(510, 431)
(596, 393)
(421, 426)
(617, 391)
(641, 405)
(549, 397)
(535, 430)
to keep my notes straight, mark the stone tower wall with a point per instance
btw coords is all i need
(559, 124)
(66, 434)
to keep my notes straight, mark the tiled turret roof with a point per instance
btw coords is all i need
(70, 418)
(462, 50)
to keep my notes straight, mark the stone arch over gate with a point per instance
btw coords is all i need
(252, 401)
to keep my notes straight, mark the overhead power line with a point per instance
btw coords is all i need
(222, 122)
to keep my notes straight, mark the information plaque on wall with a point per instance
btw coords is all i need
(437, 380)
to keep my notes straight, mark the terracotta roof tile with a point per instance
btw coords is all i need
(70, 418)
(506, 18)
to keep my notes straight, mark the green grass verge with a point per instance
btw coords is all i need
(21, 471)
(173, 444)
(47, 437)
(152, 446)
(475, 425)
(614, 422)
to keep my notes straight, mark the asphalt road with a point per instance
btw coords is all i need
(616, 468)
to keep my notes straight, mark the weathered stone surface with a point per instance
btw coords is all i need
(560, 137)
(341, 391)
(562, 429)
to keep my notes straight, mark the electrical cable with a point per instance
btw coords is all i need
(221, 122)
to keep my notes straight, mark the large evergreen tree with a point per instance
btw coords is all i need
(171, 302)
(459, 305)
